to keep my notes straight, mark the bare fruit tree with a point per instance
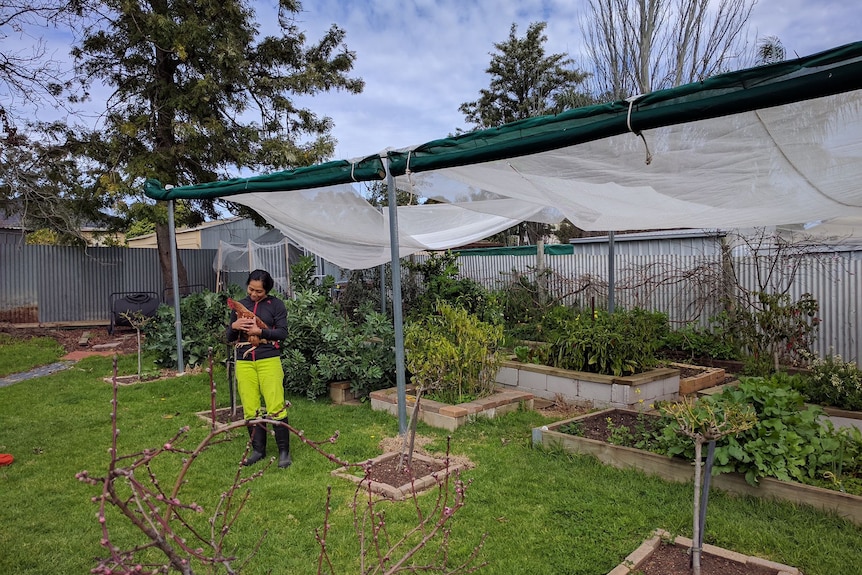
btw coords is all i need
(638, 46)
(29, 72)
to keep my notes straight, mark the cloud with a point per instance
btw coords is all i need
(421, 59)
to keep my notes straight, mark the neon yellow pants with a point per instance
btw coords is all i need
(263, 378)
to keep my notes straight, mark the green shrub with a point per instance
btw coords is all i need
(204, 317)
(522, 308)
(453, 354)
(303, 278)
(440, 282)
(323, 346)
(715, 341)
(360, 292)
(621, 343)
(834, 382)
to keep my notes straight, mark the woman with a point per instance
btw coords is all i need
(259, 373)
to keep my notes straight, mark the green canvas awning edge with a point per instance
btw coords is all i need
(319, 175)
(827, 73)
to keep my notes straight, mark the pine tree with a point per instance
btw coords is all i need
(526, 82)
(198, 96)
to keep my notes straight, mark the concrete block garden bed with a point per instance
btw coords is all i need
(591, 388)
(672, 469)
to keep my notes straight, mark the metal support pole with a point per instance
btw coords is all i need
(397, 315)
(176, 281)
(382, 272)
(611, 273)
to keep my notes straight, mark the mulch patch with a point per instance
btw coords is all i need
(69, 338)
(387, 471)
(600, 426)
(675, 560)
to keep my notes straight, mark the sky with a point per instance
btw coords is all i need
(421, 59)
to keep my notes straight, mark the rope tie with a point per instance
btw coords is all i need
(409, 175)
(352, 166)
(631, 102)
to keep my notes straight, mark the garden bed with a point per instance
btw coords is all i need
(694, 378)
(385, 478)
(448, 416)
(671, 469)
(663, 555)
(134, 379)
(223, 416)
(661, 384)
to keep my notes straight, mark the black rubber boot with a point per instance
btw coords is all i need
(282, 439)
(257, 433)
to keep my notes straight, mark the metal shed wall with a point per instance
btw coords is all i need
(683, 243)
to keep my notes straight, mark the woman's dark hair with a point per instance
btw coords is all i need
(263, 277)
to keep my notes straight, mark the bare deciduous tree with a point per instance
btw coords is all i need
(638, 46)
(29, 72)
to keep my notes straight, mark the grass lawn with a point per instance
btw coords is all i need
(18, 355)
(543, 512)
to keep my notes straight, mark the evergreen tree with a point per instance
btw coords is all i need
(197, 95)
(526, 82)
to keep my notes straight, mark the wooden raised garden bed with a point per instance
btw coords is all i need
(694, 378)
(671, 469)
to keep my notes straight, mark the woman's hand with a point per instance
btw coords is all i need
(253, 329)
(246, 325)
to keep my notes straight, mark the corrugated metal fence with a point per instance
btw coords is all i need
(51, 284)
(689, 288)
(56, 284)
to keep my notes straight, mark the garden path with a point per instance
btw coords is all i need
(77, 347)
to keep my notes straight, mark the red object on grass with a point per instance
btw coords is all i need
(6, 459)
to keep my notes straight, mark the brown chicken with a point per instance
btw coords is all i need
(245, 313)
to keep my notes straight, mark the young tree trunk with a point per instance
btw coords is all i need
(163, 241)
(695, 537)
